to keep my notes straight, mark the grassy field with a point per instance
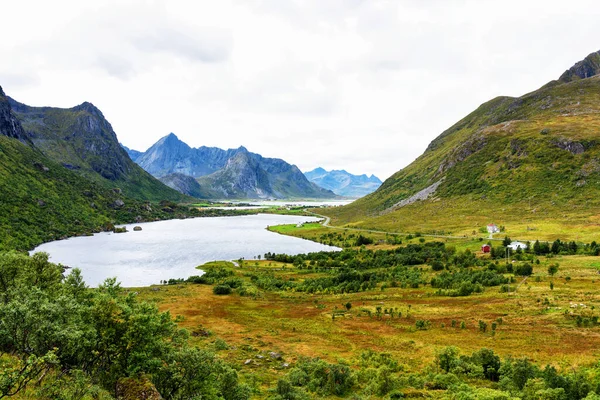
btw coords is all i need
(534, 321)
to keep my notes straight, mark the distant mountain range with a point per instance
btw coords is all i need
(224, 174)
(344, 183)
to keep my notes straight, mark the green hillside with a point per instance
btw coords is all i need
(531, 162)
(81, 139)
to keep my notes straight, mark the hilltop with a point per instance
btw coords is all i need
(531, 162)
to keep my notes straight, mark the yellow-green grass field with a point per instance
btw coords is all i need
(534, 322)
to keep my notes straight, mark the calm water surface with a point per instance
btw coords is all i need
(172, 249)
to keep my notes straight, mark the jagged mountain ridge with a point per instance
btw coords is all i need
(344, 183)
(522, 159)
(233, 173)
(81, 139)
(170, 155)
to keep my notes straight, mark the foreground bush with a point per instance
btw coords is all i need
(55, 332)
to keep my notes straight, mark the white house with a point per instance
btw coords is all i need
(492, 228)
(516, 245)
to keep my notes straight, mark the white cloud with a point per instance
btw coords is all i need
(344, 84)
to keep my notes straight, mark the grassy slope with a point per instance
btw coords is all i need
(507, 169)
(38, 206)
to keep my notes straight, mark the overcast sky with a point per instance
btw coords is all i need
(342, 84)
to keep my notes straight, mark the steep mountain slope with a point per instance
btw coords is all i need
(184, 184)
(248, 175)
(170, 155)
(527, 161)
(344, 183)
(234, 173)
(41, 200)
(9, 124)
(81, 139)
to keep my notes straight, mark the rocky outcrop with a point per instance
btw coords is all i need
(344, 183)
(9, 124)
(585, 68)
(471, 146)
(570, 146)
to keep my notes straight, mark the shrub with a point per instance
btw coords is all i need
(524, 269)
(422, 324)
(222, 289)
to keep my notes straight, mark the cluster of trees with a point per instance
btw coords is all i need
(514, 378)
(465, 281)
(61, 340)
(546, 248)
(480, 375)
(412, 254)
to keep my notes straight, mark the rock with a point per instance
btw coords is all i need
(274, 355)
(138, 218)
(248, 361)
(137, 228)
(285, 365)
(136, 388)
(41, 167)
(71, 166)
(41, 203)
(570, 146)
(118, 203)
(117, 191)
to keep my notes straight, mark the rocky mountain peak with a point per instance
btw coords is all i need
(585, 68)
(89, 108)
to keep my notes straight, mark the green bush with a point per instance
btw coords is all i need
(222, 289)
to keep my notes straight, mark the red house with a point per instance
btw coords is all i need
(486, 248)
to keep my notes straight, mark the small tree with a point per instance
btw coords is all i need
(553, 269)
(482, 326)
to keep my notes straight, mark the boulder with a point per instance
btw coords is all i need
(118, 203)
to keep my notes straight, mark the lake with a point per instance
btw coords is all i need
(172, 249)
